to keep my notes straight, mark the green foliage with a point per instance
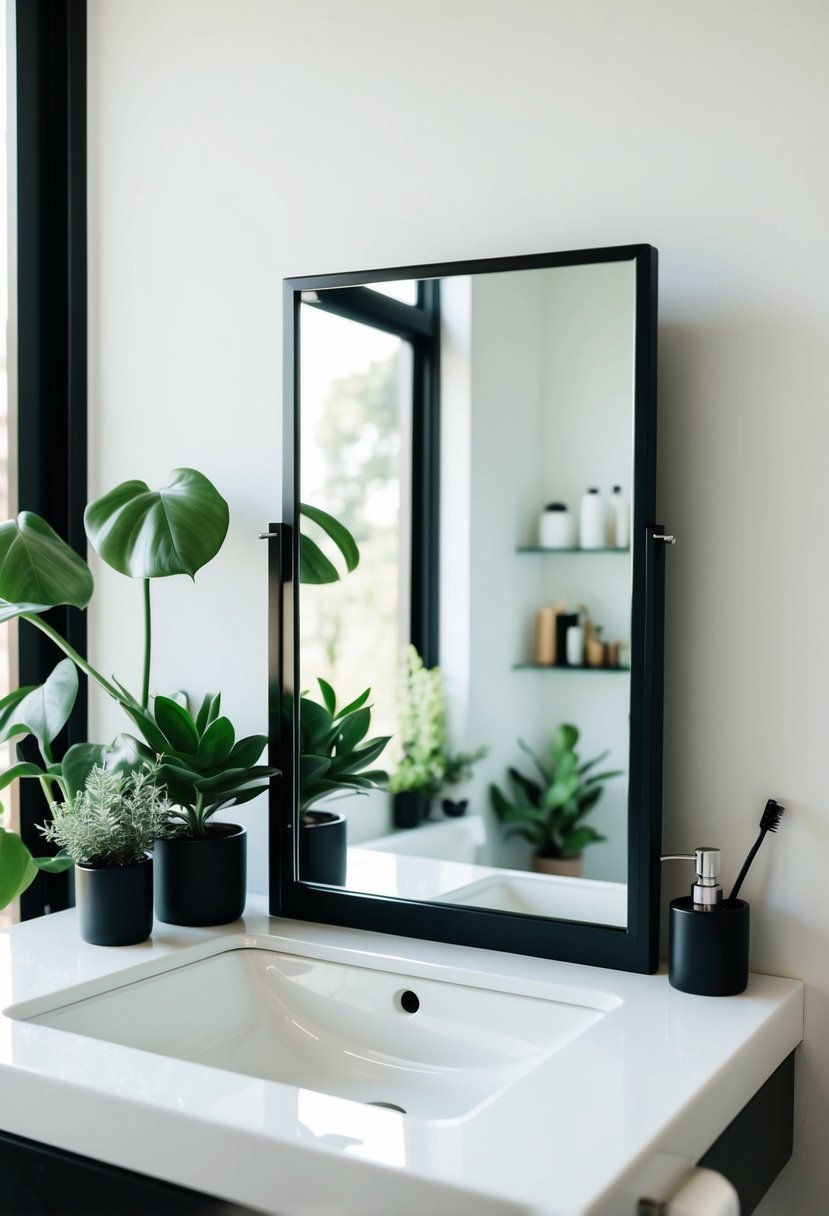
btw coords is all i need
(334, 751)
(549, 812)
(114, 820)
(146, 533)
(38, 570)
(427, 765)
(202, 765)
(142, 534)
(314, 566)
(18, 869)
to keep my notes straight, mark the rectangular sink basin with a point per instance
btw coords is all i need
(582, 899)
(422, 1046)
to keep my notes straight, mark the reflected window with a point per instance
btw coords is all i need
(356, 461)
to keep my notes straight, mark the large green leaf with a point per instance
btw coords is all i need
(38, 570)
(17, 867)
(78, 763)
(146, 533)
(247, 751)
(217, 742)
(175, 723)
(351, 730)
(44, 710)
(314, 566)
(28, 769)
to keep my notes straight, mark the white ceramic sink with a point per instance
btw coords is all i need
(422, 1046)
(599, 903)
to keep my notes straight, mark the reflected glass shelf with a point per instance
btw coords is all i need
(583, 552)
(617, 671)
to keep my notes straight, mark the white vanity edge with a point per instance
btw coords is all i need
(627, 1114)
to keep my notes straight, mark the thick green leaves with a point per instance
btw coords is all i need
(38, 570)
(203, 766)
(42, 711)
(333, 747)
(175, 723)
(217, 742)
(549, 816)
(314, 566)
(146, 533)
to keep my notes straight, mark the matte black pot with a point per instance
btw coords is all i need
(115, 903)
(202, 880)
(409, 809)
(322, 848)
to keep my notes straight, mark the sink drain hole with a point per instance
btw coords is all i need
(409, 1001)
(388, 1106)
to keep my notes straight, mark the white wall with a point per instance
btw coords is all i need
(234, 143)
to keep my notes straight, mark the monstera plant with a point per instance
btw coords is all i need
(144, 534)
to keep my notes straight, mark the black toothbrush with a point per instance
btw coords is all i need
(769, 821)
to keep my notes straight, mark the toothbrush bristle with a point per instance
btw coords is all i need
(771, 815)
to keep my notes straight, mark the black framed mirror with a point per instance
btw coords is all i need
(466, 606)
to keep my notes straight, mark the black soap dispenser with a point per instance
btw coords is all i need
(707, 935)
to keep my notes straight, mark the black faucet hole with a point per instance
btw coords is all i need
(409, 1001)
(388, 1106)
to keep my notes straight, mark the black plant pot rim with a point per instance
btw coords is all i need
(210, 838)
(321, 819)
(131, 865)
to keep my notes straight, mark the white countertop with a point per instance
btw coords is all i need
(622, 1113)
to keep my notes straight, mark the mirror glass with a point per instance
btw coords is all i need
(466, 687)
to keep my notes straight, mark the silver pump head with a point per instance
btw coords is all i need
(706, 891)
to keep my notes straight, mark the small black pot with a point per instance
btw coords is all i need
(202, 880)
(115, 903)
(322, 848)
(454, 809)
(409, 809)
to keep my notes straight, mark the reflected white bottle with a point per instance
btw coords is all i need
(618, 520)
(592, 520)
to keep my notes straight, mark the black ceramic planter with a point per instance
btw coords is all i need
(322, 848)
(115, 903)
(202, 880)
(409, 809)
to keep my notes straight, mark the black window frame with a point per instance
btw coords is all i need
(51, 357)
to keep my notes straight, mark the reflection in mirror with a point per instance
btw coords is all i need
(465, 700)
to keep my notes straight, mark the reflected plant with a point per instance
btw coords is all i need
(427, 766)
(334, 752)
(549, 813)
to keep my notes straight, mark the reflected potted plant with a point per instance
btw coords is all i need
(108, 829)
(427, 767)
(549, 809)
(334, 758)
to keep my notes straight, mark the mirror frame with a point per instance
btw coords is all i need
(632, 948)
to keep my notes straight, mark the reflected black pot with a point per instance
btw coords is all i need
(409, 809)
(322, 848)
(202, 880)
(115, 903)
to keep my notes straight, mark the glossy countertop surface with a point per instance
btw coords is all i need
(622, 1113)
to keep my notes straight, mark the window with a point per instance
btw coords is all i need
(368, 456)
